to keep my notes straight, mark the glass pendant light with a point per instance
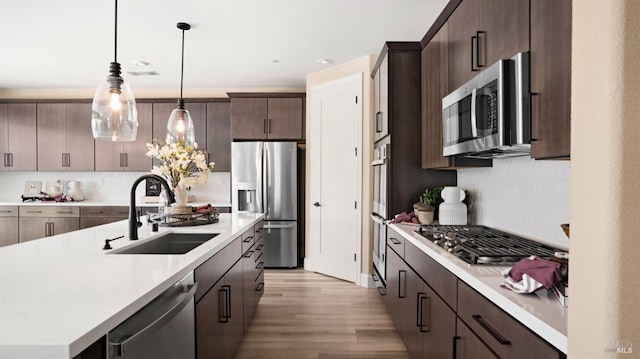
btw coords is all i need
(114, 116)
(180, 126)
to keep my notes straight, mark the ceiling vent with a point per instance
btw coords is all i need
(143, 73)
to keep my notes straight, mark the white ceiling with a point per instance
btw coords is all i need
(232, 43)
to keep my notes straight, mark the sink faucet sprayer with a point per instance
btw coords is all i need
(133, 222)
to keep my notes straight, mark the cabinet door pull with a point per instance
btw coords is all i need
(5, 160)
(34, 211)
(65, 212)
(481, 35)
(121, 161)
(491, 331)
(378, 121)
(10, 159)
(402, 278)
(248, 239)
(269, 125)
(259, 247)
(382, 291)
(223, 308)
(248, 254)
(259, 287)
(126, 160)
(424, 307)
(395, 241)
(264, 126)
(260, 265)
(474, 50)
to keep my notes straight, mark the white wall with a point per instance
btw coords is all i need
(112, 187)
(521, 196)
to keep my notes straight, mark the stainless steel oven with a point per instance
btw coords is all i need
(380, 209)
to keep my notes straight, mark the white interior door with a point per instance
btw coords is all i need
(335, 178)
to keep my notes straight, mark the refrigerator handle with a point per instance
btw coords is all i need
(267, 177)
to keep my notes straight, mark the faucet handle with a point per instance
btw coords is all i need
(138, 222)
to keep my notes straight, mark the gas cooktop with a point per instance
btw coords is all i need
(483, 245)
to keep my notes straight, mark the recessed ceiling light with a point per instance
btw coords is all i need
(275, 61)
(140, 63)
(324, 61)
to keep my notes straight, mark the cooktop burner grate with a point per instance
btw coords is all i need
(483, 245)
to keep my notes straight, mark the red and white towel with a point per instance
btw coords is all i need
(531, 274)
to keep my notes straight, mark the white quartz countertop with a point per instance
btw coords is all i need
(60, 294)
(103, 203)
(540, 311)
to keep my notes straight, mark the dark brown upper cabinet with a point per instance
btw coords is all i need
(381, 100)
(481, 32)
(18, 140)
(550, 79)
(260, 116)
(65, 139)
(219, 135)
(434, 86)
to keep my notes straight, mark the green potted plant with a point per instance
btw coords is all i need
(425, 209)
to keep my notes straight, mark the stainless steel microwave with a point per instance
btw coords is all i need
(489, 116)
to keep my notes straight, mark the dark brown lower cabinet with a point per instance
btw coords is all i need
(469, 346)
(219, 317)
(500, 332)
(425, 323)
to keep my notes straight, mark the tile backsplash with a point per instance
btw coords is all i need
(111, 186)
(521, 196)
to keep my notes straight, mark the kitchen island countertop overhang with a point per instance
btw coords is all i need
(60, 294)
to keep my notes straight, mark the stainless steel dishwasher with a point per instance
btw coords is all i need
(164, 328)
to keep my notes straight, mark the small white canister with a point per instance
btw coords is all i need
(75, 190)
(452, 210)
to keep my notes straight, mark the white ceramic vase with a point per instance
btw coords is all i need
(452, 211)
(180, 195)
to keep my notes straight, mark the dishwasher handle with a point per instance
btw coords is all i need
(117, 344)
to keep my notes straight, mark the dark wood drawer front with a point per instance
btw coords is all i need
(210, 272)
(8, 211)
(468, 346)
(258, 230)
(248, 238)
(395, 241)
(50, 211)
(436, 276)
(498, 330)
(105, 211)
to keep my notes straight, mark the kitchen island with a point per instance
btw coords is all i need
(60, 294)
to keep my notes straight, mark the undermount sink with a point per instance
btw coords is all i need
(170, 243)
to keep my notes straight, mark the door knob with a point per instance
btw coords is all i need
(317, 204)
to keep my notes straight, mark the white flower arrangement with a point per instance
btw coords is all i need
(182, 166)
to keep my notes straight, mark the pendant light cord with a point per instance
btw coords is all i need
(115, 43)
(182, 67)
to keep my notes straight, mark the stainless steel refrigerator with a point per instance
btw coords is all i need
(264, 180)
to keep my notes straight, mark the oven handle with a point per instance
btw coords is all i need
(376, 218)
(379, 162)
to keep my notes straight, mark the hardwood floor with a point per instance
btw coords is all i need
(308, 315)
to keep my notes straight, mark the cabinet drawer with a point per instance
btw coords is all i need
(248, 238)
(8, 211)
(469, 346)
(209, 272)
(437, 276)
(258, 229)
(395, 241)
(50, 211)
(105, 211)
(504, 335)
